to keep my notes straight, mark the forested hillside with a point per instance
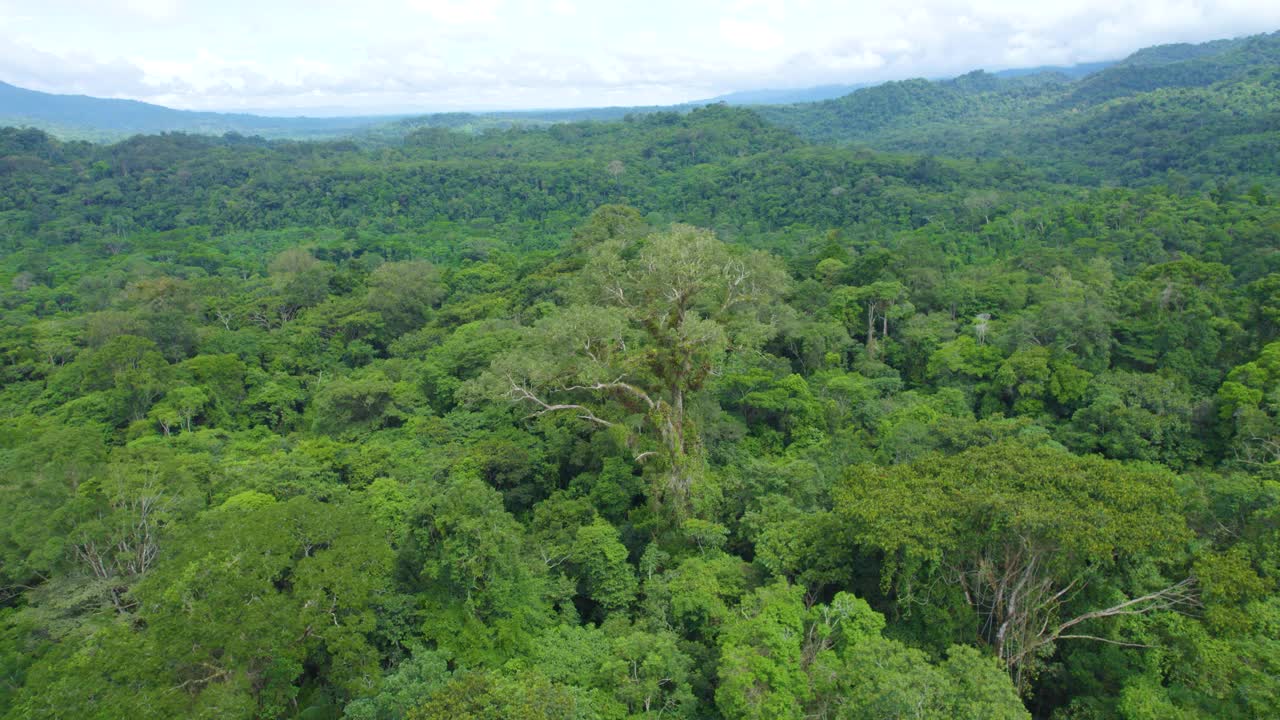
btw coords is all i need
(676, 416)
(1166, 115)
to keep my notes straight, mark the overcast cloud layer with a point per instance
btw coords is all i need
(432, 55)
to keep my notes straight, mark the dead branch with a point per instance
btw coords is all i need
(519, 392)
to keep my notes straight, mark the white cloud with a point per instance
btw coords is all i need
(459, 12)
(750, 35)
(448, 54)
(154, 9)
(23, 65)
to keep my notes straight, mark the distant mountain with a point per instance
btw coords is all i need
(960, 115)
(817, 94)
(914, 102)
(788, 96)
(1072, 71)
(1181, 52)
(1179, 108)
(1169, 66)
(831, 92)
(88, 118)
(84, 117)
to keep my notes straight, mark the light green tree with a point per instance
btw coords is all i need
(653, 320)
(1019, 533)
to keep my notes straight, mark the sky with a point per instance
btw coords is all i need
(325, 57)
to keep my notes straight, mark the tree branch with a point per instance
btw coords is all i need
(1105, 640)
(519, 392)
(616, 385)
(1178, 594)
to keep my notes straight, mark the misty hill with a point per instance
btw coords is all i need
(99, 119)
(975, 95)
(81, 117)
(1072, 71)
(1211, 108)
(1169, 66)
(90, 118)
(791, 96)
(788, 96)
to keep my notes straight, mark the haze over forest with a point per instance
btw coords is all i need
(794, 368)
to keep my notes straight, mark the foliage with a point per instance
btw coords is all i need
(677, 415)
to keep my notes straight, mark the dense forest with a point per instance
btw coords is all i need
(1154, 118)
(682, 415)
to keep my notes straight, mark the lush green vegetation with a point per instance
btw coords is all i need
(676, 416)
(1168, 115)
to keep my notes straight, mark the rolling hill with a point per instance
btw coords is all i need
(82, 117)
(1187, 109)
(90, 118)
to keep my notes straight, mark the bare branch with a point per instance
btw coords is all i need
(1105, 640)
(615, 385)
(522, 393)
(1179, 594)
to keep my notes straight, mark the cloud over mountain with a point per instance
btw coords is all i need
(449, 54)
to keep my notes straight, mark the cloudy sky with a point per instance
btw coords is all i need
(323, 56)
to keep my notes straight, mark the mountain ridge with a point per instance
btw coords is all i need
(1178, 108)
(117, 117)
(85, 117)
